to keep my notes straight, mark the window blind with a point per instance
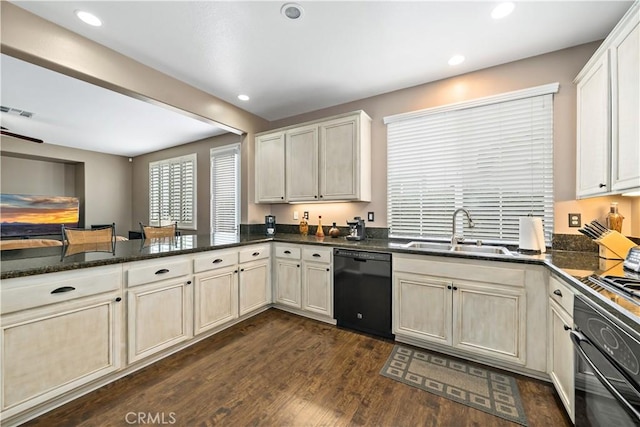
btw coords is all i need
(493, 157)
(172, 191)
(225, 192)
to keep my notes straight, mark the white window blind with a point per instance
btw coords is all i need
(225, 192)
(172, 191)
(492, 156)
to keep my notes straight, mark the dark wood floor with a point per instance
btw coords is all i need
(278, 369)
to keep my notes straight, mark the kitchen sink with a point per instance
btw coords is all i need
(429, 246)
(470, 249)
(495, 250)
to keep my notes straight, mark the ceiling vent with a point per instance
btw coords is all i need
(16, 111)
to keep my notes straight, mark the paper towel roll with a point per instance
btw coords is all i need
(531, 234)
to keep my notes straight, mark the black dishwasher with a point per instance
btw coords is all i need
(362, 291)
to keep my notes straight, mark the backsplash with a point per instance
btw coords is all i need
(561, 242)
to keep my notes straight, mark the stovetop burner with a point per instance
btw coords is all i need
(623, 291)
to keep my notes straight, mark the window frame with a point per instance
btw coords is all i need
(167, 210)
(407, 127)
(236, 150)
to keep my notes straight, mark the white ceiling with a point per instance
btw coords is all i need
(338, 52)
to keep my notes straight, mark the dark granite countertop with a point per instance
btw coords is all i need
(569, 266)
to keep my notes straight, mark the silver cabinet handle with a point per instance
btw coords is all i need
(217, 261)
(316, 255)
(255, 254)
(557, 292)
(162, 271)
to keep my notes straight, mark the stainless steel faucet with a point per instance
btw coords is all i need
(455, 239)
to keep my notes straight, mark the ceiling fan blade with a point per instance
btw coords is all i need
(16, 135)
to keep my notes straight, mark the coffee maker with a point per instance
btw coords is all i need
(270, 225)
(356, 229)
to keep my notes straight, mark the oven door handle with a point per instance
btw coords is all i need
(578, 338)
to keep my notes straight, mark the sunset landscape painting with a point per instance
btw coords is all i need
(29, 215)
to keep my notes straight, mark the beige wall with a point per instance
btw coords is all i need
(45, 177)
(561, 66)
(105, 190)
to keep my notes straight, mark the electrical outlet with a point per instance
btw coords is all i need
(295, 215)
(305, 215)
(575, 220)
(370, 216)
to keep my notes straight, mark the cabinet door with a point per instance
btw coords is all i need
(625, 83)
(423, 307)
(159, 316)
(561, 356)
(46, 352)
(255, 286)
(490, 320)
(287, 283)
(593, 131)
(316, 288)
(302, 164)
(270, 171)
(339, 159)
(216, 298)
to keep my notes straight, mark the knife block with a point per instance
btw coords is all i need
(614, 245)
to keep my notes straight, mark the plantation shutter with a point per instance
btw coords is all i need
(172, 192)
(225, 192)
(492, 156)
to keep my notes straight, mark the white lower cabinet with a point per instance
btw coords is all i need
(480, 318)
(159, 306)
(287, 276)
(303, 280)
(215, 299)
(317, 281)
(254, 279)
(59, 341)
(471, 307)
(561, 352)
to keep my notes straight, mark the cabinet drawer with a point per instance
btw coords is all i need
(317, 255)
(562, 294)
(43, 289)
(157, 270)
(214, 260)
(253, 253)
(287, 252)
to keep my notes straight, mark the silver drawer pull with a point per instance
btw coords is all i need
(63, 289)
(287, 252)
(162, 271)
(217, 261)
(557, 292)
(255, 254)
(317, 255)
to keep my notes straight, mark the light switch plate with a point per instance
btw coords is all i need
(370, 216)
(575, 220)
(295, 215)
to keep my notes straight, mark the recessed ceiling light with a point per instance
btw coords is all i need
(456, 59)
(243, 97)
(292, 11)
(88, 18)
(502, 10)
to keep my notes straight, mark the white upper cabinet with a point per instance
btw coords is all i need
(608, 110)
(326, 160)
(625, 105)
(593, 133)
(270, 168)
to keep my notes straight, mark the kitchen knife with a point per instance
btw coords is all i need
(599, 226)
(588, 233)
(594, 230)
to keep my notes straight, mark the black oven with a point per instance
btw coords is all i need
(607, 390)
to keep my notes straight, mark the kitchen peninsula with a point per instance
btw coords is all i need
(133, 307)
